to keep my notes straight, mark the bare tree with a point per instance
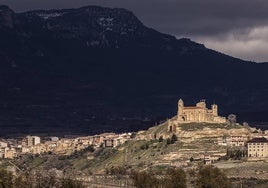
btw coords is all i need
(232, 119)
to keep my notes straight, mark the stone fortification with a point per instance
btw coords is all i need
(195, 114)
(199, 113)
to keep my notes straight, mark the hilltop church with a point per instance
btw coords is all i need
(198, 113)
(195, 114)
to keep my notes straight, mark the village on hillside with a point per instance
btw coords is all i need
(239, 136)
(196, 134)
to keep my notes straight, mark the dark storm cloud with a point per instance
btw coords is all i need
(218, 24)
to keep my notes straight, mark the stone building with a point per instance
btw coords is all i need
(33, 140)
(195, 114)
(10, 153)
(198, 113)
(257, 147)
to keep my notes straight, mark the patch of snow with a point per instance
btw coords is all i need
(93, 43)
(49, 15)
(13, 64)
(106, 22)
(109, 19)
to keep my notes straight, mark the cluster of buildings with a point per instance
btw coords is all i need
(233, 141)
(256, 142)
(251, 140)
(7, 151)
(11, 148)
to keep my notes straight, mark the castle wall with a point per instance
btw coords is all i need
(198, 113)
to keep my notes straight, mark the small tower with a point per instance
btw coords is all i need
(214, 108)
(180, 109)
(201, 104)
(171, 126)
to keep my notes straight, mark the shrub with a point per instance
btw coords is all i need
(211, 177)
(6, 179)
(144, 146)
(176, 178)
(168, 141)
(69, 183)
(36, 180)
(116, 171)
(144, 180)
(173, 139)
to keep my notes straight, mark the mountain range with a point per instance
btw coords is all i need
(95, 69)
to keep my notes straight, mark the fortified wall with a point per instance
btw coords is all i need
(196, 114)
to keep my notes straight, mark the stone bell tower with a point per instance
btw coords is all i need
(214, 108)
(180, 109)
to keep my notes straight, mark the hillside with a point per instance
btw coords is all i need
(100, 67)
(146, 151)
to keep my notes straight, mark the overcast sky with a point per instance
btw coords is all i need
(235, 27)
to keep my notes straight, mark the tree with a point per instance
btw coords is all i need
(133, 135)
(6, 179)
(36, 180)
(168, 141)
(191, 159)
(176, 178)
(211, 177)
(119, 170)
(232, 119)
(160, 139)
(144, 146)
(69, 183)
(144, 180)
(173, 139)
